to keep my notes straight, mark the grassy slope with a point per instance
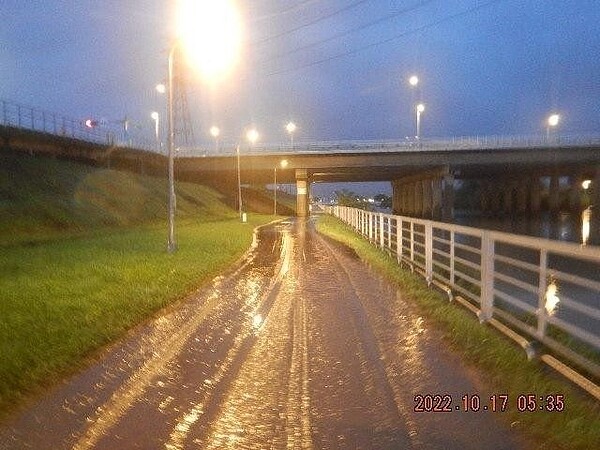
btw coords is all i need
(504, 365)
(83, 259)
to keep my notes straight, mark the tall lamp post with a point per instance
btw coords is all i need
(210, 34)
(420, 108)
(155, 117)
(283, 163)
(171, 244)
(291, 127)
(252, 136)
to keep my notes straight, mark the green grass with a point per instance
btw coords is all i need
(503, 365)
(83, 259)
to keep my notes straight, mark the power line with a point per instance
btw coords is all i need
(353, 30)
(286, 11)
(317, 20)
(385, 41)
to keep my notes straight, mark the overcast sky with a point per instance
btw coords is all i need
(338, 69)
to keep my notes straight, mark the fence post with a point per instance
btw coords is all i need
(452, 275)
(543, 286)
(487, 277)
(412, 241)
(390, 232)
(399, 238)
(428, 252)
(381, 231)
(370, 218)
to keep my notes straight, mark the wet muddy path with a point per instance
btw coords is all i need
(299, 347)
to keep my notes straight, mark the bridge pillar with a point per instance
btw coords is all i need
(507, 199)
(448, 197)
(535, 197)
(575, 193)
(419, 198)
(437, 197)
(302, 193)
(427, 198)
(553, 194)
(522, 191)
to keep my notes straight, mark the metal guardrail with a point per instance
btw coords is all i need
(19, 116)
(24, 117)
(425, 145)
(547, 289)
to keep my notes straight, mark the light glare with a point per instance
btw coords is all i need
(210, 32)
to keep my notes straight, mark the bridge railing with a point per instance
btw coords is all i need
(429, 144)
(20, 116)
(548, 290)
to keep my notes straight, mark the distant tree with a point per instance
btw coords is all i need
(344, 197)
(384, 201)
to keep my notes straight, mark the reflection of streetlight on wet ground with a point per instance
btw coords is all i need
(209, 34)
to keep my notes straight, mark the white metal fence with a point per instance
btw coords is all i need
(547, 289)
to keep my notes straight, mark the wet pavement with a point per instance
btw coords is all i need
(300, 346)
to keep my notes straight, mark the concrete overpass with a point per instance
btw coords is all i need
(422, 173)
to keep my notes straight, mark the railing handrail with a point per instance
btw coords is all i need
(520, 280)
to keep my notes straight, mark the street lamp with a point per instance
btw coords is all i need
(155, 117)
(420, 108)
(553, 121)
(283, 163)
(291, 127)
(214, 132)
(413, 81)
(209, 32)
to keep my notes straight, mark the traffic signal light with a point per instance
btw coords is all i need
(91, 123)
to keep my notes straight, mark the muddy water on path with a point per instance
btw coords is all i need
(301, 347)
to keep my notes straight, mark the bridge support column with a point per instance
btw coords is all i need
(448, 197)
(302, 193)
(437, 197)
(575, 193)
(535, 197)
(553, 194)
(522, 191)
(507, 199)
(418, 198)
(426, 186)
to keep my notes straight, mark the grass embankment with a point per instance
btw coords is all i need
(503, 365)
(83, 258)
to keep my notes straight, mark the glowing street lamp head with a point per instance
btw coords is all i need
(290, 127)
(210, 32)
(414, 80)
(420, 107)
(214, 131)
(161, 88)
(553, 120)
(283, 163)
(154, 115)
(252, 135)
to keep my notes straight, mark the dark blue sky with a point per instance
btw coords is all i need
(486, 67)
